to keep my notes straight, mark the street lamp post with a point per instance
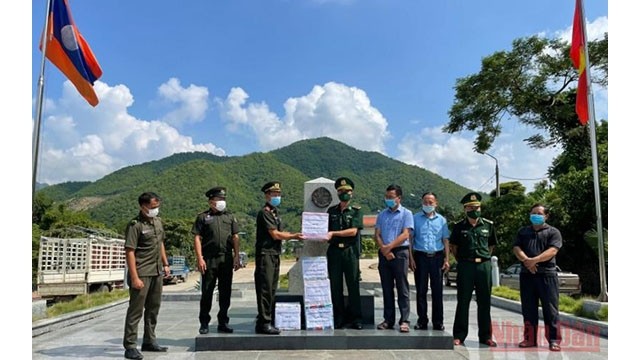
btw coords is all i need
(497, 174)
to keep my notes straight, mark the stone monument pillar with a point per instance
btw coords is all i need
(319, 195)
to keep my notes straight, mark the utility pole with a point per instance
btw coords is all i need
(497, 174)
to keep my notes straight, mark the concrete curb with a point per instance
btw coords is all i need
(46, 325)
(594, 327)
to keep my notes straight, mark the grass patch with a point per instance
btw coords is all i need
(87, 301)
(567, 304)
(284, 281)
(570, 305)
(603, 313)
(506, 292)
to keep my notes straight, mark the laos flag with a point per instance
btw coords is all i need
(69, 51)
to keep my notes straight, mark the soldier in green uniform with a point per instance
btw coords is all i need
(472, 242)
(147, 264)
(269, 237)
(217, 248)
(345, 222)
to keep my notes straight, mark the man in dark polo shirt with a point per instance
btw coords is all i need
(536, 247)
(269, 237)
(472, 242)
(345, 221)
(217, 248)
(147, 264)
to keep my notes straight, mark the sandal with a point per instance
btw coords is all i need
(384, 326)
(404, 327)
(458, 342)
(554, 347)
(527, 344)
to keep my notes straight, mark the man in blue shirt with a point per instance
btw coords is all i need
(393, 229)
(429, 257)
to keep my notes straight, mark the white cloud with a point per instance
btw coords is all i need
(451, 156)
(595, 30)
(192, 102)
(334, 110)
(82, 143)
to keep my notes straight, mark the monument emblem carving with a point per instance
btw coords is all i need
(321, 197)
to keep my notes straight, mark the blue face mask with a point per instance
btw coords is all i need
(275, 201)
(536, 219)
(390, 202)
(428, 209)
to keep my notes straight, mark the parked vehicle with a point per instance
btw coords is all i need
(76, 266)
(451, 275)
(179, 270)
(568, 283)
(243, 259)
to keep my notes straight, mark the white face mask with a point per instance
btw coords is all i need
(153, 212)
(221, 205)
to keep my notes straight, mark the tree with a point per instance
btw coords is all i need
(534, 84)
(531, 84)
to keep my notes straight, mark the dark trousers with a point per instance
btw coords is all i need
(145, 300)
(473, 276)
(219, 270)
(429, 268)
(394, 273)
(266, 277)
(541, 288)
(343, 265)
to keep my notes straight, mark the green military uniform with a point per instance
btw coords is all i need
(216, 230)
(268, 249)
(342, 260)
(145, 235)
(473, 255)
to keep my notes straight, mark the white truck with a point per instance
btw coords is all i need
(69, 267)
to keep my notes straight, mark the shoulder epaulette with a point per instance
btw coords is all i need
(133, 221)
(357, 207)
(487, 220)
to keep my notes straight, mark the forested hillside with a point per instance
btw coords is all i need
(182, 179)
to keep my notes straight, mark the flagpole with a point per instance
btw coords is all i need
(39, 99)
(604, 297)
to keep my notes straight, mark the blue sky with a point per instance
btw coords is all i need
(235, 77)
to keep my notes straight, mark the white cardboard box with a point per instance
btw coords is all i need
(288, 315)
(319, 317)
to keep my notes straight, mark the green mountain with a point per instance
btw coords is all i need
(182, 179)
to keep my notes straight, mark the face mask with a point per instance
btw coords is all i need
(275, 201)
(344, 197)
(221, 205)
(473, 214)
(536, 219)
(390, 203)
(153, 212)
(428, 209)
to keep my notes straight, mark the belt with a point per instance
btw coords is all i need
(400, 248)
(430, 254)
(343, 245)
(477, 260)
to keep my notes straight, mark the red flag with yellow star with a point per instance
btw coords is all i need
(578, 56)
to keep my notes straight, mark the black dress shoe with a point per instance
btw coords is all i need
(356, 326)
(223, 328)
(204, 329)
(438, 327)
(267, 329)
(420, 326)
(154, 348)
(133, 354)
